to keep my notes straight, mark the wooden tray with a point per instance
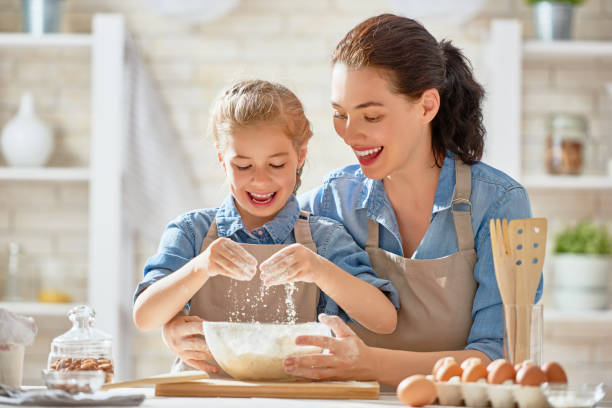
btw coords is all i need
(261, 389)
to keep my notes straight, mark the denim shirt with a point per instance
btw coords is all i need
(348, 196)
(183, 237)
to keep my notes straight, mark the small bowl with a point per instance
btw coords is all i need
(74, 381)
(256, 351)
(575, 396)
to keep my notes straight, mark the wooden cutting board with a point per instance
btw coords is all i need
(261, 389)
(157, 379)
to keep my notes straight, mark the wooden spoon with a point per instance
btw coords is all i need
(504, 273)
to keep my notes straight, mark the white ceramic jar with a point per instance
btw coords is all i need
(27, 140)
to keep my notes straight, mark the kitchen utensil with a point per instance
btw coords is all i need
(504, 273)
(255, 351)
(159, 379)
(258, 389)
(528, 246)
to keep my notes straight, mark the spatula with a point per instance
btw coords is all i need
(528, 246)
(504, 273)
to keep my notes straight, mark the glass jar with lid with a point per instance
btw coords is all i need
(83, 347)
(566, 143)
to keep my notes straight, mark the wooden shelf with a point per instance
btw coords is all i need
(542, 50)
(567, 182)
(44, 173)
(37, 308)
(47, 40)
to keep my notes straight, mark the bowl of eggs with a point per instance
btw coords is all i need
(498, 384)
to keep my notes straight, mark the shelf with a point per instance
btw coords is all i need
(541, 50)
(37, 308)
(46, 40)
(44, 173)
(584, 316)
(568, 182)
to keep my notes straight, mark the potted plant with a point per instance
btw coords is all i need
(553, 18)
(582, 261)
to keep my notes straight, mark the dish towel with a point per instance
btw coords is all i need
(50, 398)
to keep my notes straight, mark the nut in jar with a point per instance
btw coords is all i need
(82, 348)
(84, 364)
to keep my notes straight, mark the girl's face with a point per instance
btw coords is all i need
(261, 163)
(384, 129)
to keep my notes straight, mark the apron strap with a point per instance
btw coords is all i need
(211, 235)
(302, 231)
(461, 207)
(373, 231)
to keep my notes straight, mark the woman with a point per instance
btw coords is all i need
(419, 203)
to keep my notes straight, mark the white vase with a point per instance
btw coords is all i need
(27, 140)
(582, 271)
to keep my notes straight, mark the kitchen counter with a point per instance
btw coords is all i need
(386, 399)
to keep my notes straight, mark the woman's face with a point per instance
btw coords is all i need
(385, 130)
(261, 164)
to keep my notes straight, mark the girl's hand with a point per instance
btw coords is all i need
(291, 264)
(349, 357)
(226, 257)
(184, 336)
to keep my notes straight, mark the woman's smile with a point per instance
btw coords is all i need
(367, 155)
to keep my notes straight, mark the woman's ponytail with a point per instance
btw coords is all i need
(458, 125)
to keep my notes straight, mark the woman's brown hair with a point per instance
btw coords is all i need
(414, 61)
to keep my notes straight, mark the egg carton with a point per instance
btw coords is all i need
(479, 394)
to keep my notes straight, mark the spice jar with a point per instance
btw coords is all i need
(566, 143)
(82, 348)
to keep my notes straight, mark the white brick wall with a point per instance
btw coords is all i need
(285, 41)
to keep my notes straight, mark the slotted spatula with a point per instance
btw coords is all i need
(528, 246)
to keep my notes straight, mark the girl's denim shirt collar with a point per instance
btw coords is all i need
(229, 221)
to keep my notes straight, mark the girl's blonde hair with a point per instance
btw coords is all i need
(253, 102)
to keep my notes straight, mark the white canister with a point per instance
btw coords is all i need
(27, 140)
(11, 364)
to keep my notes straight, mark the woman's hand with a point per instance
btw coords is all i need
(226, 257)
(349, 357)
(295, 263)
(183, 335)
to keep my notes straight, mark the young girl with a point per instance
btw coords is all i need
(208, 259)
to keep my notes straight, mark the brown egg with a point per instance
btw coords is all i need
(520, 365)
(554, 373)
(416, 391)
(530, 374)
(500, 371)
(440, 363)
(448, 370)
(469, 361)
(474, 372)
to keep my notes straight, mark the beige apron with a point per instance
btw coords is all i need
(436, 294)
(225, 299)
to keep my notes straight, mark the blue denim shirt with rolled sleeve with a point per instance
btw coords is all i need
(346, 195)
(183, 237)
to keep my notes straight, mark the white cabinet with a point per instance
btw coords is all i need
(137, 177)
